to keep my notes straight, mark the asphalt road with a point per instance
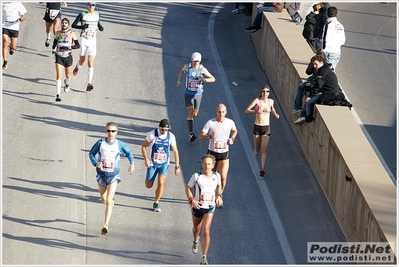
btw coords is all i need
(51, 208)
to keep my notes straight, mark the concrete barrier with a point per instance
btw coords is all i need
(359, 190)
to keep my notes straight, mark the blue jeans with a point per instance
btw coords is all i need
(258, 18)
(318, 44)
(299, 94)
(307, 110)
(333, 59)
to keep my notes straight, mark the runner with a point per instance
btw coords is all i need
(14, 13)
(194, 88)
(160, 141)
(89, 22)
(263, 107)
(208, 192)
(62, 46)
(107, 166)
(52, 17)
(217, 131)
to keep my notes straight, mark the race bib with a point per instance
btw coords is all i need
(91, 31)
(160, 158)
(53, 13)
(220, 144)
(108, 165)
(194, 85)
(207, 198)
(9, 19)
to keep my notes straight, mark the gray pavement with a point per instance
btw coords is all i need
(51, 208)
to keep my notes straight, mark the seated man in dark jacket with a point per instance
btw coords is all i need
(326, 86)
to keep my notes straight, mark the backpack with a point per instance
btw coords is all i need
(309, 26)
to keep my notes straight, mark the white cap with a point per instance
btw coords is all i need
(196, 56)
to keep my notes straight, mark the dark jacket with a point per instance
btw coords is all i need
(321, 21)
(327, 82)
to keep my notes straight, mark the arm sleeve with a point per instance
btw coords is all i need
(126, 151)
(75, 24)
(55, 42)
(93, 152)
(76, 44)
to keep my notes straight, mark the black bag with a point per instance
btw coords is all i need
(337, 99)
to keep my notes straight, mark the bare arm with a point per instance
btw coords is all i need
(144, 146)
(182, 71)
(209, 77)
(273, 110)
(177, 159)
(249, 109)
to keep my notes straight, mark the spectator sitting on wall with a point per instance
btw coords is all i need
(267, 7)
(326, 85)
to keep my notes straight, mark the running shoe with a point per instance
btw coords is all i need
(11, 52)
(295, 111)
(5, 64)
(156, 207)
(235, 11)
(262, 172)
(75, 70)
(104, 230)
(195, 247)
(58, 98)
(89, 87)
(192, 137)
(66, 87)
(47, 43)
(204, 261)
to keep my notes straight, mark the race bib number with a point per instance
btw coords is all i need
(9, 19)
(108, 165)
(220, 144)
(207, 198)
(160, 158)
(53, 13)
(91, 31)
(194, 85)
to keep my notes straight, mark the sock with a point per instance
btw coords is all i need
(203, 256)
(48, 35)
(58, 85)
(90, 72)
(67, 81)
(190, 125)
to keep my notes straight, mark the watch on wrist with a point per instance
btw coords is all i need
(177, 167)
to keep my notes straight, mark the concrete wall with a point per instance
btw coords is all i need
(334, 144)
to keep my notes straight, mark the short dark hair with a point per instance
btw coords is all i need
(332, 12)
(319, 58)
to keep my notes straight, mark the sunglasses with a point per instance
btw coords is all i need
(265, 91)
(111, 131)
(164, 129)
(64, 23)
(91, 5)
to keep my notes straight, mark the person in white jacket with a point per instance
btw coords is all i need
(333, 37)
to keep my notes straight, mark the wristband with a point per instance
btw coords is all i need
(177, 167)
(190, 199)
